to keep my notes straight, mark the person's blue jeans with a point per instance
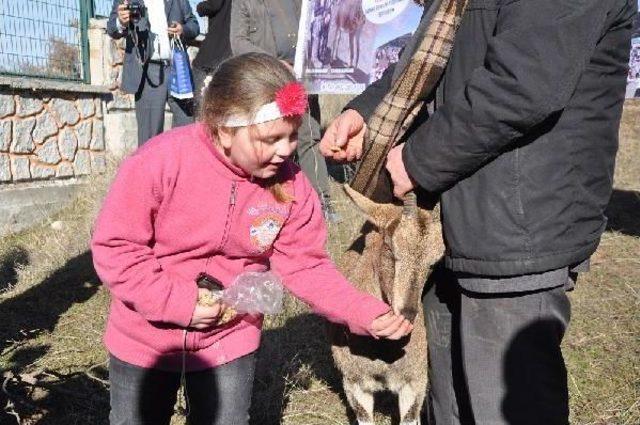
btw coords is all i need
(217, 396)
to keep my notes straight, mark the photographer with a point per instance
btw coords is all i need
(147, 26)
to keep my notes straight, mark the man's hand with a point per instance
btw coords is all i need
(207, 316)
(175, 29)
(123, 14)
(390, 326)
(344, 138)
(402, 182)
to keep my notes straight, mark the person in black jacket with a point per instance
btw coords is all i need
(521, 146)
(216, 46)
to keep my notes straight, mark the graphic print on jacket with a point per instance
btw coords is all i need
(265, 226)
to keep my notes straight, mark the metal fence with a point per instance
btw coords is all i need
(45, 38)
(103, 7)
(49, 38)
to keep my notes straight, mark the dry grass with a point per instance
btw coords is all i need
(52, 310)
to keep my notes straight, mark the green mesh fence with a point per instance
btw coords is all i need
(45, 38)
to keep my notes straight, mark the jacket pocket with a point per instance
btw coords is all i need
(204, 339)
(161, 337)
(484, 214)
(518, 202)
(253, 26)
(483, 4)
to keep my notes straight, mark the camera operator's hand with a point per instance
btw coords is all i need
(175, 29)
(124, 15)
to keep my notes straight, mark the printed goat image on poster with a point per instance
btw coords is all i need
(345, 45)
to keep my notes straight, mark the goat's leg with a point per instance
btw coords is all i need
(360, 401)
(358, 33)
(351, 49)
(410, 404)
(336, 43)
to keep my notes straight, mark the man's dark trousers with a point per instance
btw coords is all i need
(496, 358)
(151, 98)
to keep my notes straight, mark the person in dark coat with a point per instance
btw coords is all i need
(216, 46)
(521, 147)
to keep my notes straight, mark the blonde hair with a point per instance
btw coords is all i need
(240, 86)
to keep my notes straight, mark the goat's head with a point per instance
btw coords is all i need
(409, 243)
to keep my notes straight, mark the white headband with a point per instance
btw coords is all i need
(268, 112)
(291, 100)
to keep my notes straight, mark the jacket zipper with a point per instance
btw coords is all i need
(225, 236)
(227, 225)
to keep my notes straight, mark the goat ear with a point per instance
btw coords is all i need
(378, 214)
(427, 217)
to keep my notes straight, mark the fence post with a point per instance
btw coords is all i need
(86, 12)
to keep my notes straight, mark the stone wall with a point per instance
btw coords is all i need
(54, 134)
(52, 138)
(47, 135)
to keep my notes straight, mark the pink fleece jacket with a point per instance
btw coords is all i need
(176, 208)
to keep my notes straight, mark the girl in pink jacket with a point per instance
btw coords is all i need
(219, 197)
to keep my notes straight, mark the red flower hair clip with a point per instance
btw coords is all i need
(292, 99)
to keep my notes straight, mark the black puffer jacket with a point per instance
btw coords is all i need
(216, 46)
(525, 131)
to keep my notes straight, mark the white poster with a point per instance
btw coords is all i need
(633, 80)
(345, 45)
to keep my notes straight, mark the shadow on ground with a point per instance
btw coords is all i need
(291, 355)
(57, 398)
(624, 212)
(10, 262)
(297, 351)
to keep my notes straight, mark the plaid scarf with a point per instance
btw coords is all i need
(414, 80)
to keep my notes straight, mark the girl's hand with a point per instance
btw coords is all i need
(207, 316)
(390, 326)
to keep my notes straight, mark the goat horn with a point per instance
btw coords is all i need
(410, 204)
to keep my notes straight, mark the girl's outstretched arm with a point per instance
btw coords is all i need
(301, 260)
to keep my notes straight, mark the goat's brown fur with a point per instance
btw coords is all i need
(390, 260)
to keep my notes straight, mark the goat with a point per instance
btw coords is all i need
(349, 18)
(391, 260)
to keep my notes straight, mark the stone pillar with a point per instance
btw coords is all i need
(97, 48)
(121, 135)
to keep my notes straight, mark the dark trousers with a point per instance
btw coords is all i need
(496, 358)
(218, 396)
(310, 159)
(151, 100)
(199, 74)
